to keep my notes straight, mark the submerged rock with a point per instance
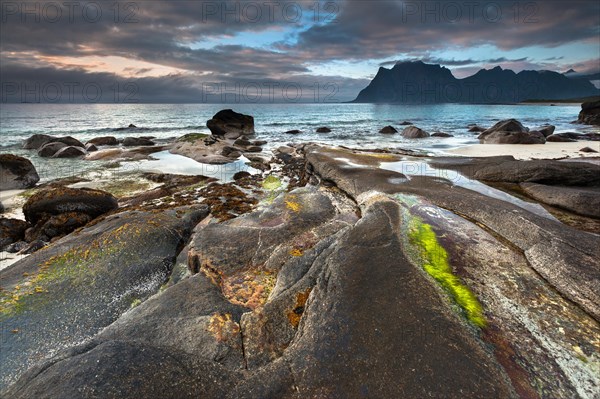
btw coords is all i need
(16, 173)
(323, 129)
(441, 134)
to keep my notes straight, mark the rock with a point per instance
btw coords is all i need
(511, 131)
(36, 141)
(587, 149)
(476, 128)
(132, 126)
(253, 148)
(557, 138)
(509, 170)
(106, 140)
(49, 149)
(230, 122)
(70, 152)
(507, 125)
(259, 142)
(441, 134)
(579, 136)
(413, 132)
(546, 130)
(63, 200)
(84, 282)
(11, 231)
(115, 368)
(228, 150)
(137, 141)
(584, 201)
(16, 173)
(16, 247)
(89, 147)
(242, 142)
(32, 247)
(388, 130)
(323, 129)
(240, 175)
(57, 226)
(294, 131)
(406, 123)
(503, 137)
(590, 113)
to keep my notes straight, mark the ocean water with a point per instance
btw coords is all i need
(354, 125)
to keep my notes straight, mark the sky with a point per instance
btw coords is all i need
(273, 50)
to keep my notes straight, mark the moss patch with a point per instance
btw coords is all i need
(435, 263)
(192, 137)
(250, 288)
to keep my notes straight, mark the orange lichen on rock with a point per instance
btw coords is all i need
(250, 288)
(296, 313)
(223, 327)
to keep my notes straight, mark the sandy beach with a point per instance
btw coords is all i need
(530, 151)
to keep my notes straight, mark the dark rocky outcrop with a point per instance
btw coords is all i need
(413, 132)
(73, 289)
(106, 140)
(137, 141)
(11, 231)
(511, 131)
(441, 134)
(62, 200)
(229, 122)
(388, 130)
(293, 131)
(323, 129)
(16, 173)
(476, 128)
(590, 113)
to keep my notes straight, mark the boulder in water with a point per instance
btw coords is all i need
(230, 122)
(16, 173)
(388, 130)
(413, 132)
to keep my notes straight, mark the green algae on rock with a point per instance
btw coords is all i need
(435, 263)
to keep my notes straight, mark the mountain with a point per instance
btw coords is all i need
(417, 82)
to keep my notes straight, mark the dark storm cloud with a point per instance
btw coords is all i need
(365, 31)
(19, 83)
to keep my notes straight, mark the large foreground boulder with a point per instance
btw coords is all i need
(511, 131)
(62, 200)
(230, 123)
(590, 113)
(69, 291)
(16, 173)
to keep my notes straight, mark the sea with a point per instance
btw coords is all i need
(352, 125)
